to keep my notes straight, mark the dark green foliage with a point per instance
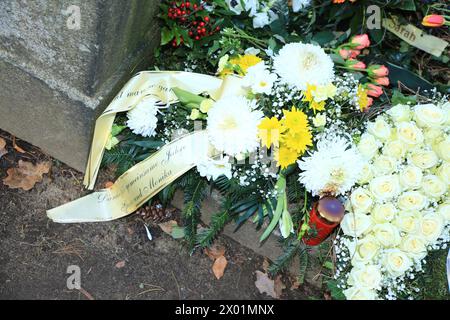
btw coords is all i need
(291, 249)
(194, 193)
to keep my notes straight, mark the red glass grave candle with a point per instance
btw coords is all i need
(325, 215)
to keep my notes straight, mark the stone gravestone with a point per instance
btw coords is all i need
(62, 61)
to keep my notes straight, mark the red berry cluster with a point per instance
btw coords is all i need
(191, 17)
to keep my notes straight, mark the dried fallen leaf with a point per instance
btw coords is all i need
(120, 264)
(108, 184)
(265, 284)
(266, 265)
(3, 150)
(279, 286)
(215, 251)
(26, 175)
(219, 266)
(168, 226)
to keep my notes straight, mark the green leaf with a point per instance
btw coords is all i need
(399, 98)
(281, 187)
(166, 36)
(323, 37)
(187, 98)
(406, 5)
(177, 232)
(336, 293)
(408, 78)
(116, 129)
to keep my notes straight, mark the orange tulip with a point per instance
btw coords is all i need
(433, 21)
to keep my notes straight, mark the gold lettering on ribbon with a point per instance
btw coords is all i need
(138, 184)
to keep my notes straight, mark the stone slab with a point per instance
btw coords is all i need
(56, 80)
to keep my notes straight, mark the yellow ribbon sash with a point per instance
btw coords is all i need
(138, 184)
(147, 178)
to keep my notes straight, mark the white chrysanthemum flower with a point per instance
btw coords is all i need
(142, 118)
(233, 125)
(334, 168)
(299, 64)
(298, 5)
(259, 79)
(212, 169)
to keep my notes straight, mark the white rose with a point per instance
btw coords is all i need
(443, 149)
(355, 224)
(443, 172)
(367, 276)
(444, 211)
(385, 187)
(433, 187)
(365, 250)
(400, 112)
(366, 174)
(424, 159)
(396, 262)
(357, 293)
(387, 234)
(412, 201)
(446, 108)
(395, 149)
(409, 133)
(431, 226)
(368, 146)
(383, 165)
(410, 177)
(361, 200)
(380, 128)
(414, 246)
(407, 221)
(432, 135)
(429, 115)
(382, 213)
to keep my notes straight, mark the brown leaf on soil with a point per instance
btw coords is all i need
(3, 150)
(279, 286)
(215, 251)
(108, 184)
(26, 175)
(16, 147)
(219, 266)
(168, 226)
(265, 284)
(265, 264)
(120, 264)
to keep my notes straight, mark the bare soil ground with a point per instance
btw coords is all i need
(35, 252)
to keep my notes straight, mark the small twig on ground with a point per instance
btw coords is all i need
(178, 286)
(86, 294)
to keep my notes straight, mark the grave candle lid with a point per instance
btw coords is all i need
(331, 209)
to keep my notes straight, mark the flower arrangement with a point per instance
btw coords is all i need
(304, 132)
(399, 209)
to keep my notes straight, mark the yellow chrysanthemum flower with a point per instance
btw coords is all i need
(243, 62)
(285, 156)
(295, 120)
(317, 95)
(298, 141)
(246, 61)
(363, 98)
(269, 131)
